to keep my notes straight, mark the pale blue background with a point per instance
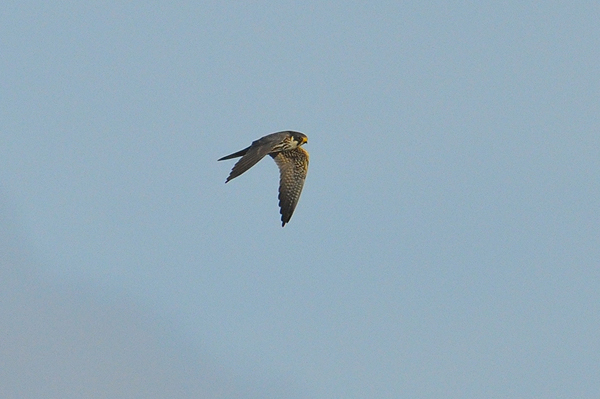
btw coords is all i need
(446, 245)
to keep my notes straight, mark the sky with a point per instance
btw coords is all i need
(446, 244)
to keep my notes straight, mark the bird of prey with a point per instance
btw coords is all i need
(292, 160)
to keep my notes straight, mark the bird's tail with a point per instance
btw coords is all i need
(240, 153)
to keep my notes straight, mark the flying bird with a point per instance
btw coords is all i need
(292, 160)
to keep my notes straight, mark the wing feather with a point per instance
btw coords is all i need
(251, 155)
(293, 167)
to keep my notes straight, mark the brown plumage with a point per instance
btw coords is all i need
(292, 160)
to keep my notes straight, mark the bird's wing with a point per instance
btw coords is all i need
(293, 166)
(251, 155)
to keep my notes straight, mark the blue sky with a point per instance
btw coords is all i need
(446, 244)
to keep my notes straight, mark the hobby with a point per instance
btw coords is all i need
(292, 160)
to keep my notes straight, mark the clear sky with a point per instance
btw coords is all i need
(446, 244)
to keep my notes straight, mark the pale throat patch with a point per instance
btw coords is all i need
(293, 144)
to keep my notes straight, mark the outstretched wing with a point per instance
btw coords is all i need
(251, 155)
(293, 166)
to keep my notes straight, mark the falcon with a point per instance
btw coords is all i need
(292, 160)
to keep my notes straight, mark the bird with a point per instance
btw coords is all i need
(292, 160)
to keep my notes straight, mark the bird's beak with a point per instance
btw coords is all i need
(304, 140)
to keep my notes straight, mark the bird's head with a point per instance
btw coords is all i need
(300, 138)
